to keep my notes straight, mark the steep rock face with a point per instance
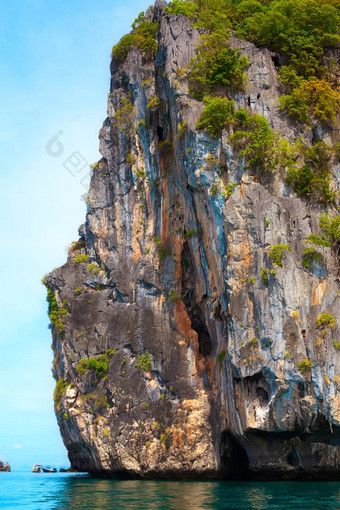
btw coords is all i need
(198, 374)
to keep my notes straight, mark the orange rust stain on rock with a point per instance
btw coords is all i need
(183, 322)
(177, 439)
(135, 233)
(245, 252)
(242, 189)
(165, 212)
(102, 233)
(247, 255)
(201, 365)
(318, 292)
(136, 256)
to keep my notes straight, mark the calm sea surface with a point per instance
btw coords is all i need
(78, 492)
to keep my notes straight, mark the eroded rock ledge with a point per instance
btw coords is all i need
(173, 357)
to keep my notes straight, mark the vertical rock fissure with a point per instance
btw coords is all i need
(192, 304)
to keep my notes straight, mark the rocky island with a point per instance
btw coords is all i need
(196, 327)
(4, 466)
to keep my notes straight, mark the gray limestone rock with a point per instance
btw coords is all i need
(194, 360)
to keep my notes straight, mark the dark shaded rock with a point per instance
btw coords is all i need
(4, 466)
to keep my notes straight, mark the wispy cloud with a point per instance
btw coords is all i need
(17, 446)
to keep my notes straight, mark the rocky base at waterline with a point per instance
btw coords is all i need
(194, 336)
(5, 466)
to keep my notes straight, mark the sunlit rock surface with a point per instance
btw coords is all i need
(179, 280)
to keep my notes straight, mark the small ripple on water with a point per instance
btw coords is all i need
(78, 492)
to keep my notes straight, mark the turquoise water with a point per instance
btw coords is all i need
(63, 491)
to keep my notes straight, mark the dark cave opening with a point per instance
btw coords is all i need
(293, 458)
(278, 60)
(262, 395)
(190, 300)
(160, 134)
(234, 459)
(204, 340)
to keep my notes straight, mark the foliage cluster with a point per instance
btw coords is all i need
(217, 114)
(125, 115)
(325, 321)
(59, 390)
(174, 296)
(265, 276)
(217, 67)
(330, 228)
(277, 252)
(153, 102)
(220, 358)
(181, 128)
(300, 30)
(98, 364)
(193, 232)
(131, 159)
(81, 258)
(76, 245)
(94, 268)
(257, 141)
(144, 362)
(143, 36)
(163, 249)
(55, 313)
(312, 98)
(189, 9)
(304, 365)
(313, 179)
(309, 256)
(96, 400)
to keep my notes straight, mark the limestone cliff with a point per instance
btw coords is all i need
(181, 350)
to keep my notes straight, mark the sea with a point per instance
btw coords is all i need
(71, 491)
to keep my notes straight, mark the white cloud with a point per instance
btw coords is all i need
(17, 446)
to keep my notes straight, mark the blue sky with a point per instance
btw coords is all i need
(54, 68)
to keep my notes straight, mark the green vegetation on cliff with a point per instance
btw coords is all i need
(330, 228)
(55, 313)
(277, 252)
(301, 31)
(256, 140)
(217, 114)
(98, 364)
(216, 66)
(313, 179)
(329, 238)
(59, 390)
(144, 362)
(143, 37)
